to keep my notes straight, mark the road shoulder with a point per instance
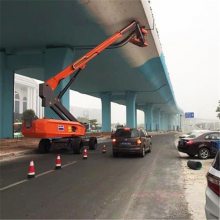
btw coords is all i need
(195, 185)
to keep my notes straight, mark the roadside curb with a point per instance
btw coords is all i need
(29, 151)
(16, 154)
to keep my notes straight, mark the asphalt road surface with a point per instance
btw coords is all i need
(127, 187)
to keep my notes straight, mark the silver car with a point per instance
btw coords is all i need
(212, 206)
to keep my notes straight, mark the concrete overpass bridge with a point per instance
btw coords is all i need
(40, 38)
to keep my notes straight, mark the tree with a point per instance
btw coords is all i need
(218, 109)
(83, 119)
(93, 123)
(28, 115)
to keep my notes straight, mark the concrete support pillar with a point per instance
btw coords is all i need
(154, 123)
(166, 122)
(178, 122)
(181, 122)
(106, 111)
(157, 120)
(169, 122)
(163, 121)
(6, 99)
(174, 122)
(136, 122)
(148, 117)
(56, 59)
(130, 109)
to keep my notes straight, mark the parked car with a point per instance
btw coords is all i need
(212, 208)
(17, 129)
(215, 146)
(193, 133)
(131, 140)
(199, 144)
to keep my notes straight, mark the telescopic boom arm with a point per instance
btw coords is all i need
(69, 126)
(137, 37)
(133, 33)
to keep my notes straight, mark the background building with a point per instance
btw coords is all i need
(26, 96)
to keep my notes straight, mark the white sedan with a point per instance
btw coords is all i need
(212, 206)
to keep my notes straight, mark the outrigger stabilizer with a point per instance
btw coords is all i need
(69, 126)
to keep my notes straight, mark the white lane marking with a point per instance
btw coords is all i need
(44, 173)
(68, 164)
(11, 185)
(39, 175)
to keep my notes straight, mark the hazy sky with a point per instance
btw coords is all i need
(189, 33)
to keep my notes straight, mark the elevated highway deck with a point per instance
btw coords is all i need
(39, 38)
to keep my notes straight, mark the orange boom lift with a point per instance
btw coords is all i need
(68, 126)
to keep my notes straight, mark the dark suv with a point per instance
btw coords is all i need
(200, 145)
(131, 140)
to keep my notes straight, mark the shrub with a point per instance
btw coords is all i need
(28, 114)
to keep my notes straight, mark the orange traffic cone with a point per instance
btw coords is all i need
(85, 154)
(104, 149)
(31, 170)
(58, 162)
